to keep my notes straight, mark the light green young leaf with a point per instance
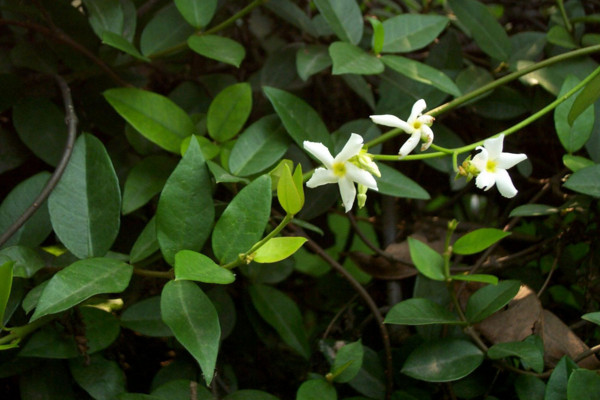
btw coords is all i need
(229, 111)
(587, 97)
(185, 212)
(586, 181)
(243, 222)
(408, 32)
(316, 389)
(289, 193)
(420, 311)
(193, 266)
(394, 183)
(478, 240)
(350, 59)
(80, 281)
(490, 299)
(197, 13)
(592, 317)
(428, 261)
(344, 18)
(378, 34)
(311, 60)
(347, 362)
(156, 117)
(120, 43)
(85, 206)
(194, 321)
(6, 278)
(165, 30)
(277, 249)
(218, 48)
(145, 180)
(583, 385)
(572, 136)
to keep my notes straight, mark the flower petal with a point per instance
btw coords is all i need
(494, 147)
(351, 148)
(410, 144)
(509, 160)
(504, 184)
(320, 151)
(391, 120)
(426, 119)
(348, 192)
(417, 110)
(480, 159)
(485, 180)
(321, 176)
(361, 176)
(426, 136)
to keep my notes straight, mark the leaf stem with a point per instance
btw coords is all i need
(20, 332)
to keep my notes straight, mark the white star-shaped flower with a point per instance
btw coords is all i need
(340, 169)
(418, 126)
(492, 164)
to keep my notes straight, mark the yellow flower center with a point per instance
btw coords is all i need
(339, 169)
(490, 166)
(417, 124)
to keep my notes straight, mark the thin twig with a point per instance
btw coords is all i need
(551, 272)
(587, 353)
(71, 120)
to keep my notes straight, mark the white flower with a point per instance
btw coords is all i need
(418, 126)
(492, 164)
(341, 169)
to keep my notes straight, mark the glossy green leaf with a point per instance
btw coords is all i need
(485, 30)
(209, 148)
(218, 48)
(347, 362)
(556, 388)
(585, 98)
(290, 191)
(490, 299)
(419, 311)
(40, 124)
(197, 13)
(277, 249)
(575, 163)
(350, 59)
(530, 351)
(483, 278)
(80, 281)
(394, 183)
(6, 278)
(283, 315)
(378, 34)
(250, 394)
(193, 319)
(145, 180)
(260, 146)
(586, 181)
(229, 111)
(243, 222)
(193, 266)
(100, 378)
(146, 244)
(166, 30)
(444, 360)
(533, 210)
(38, 227)
(316, 389)
(85, 206)
(428, 261)
(105, 16)
(572, 136)
(119, 42)
(185, 212)
(156, 117)
(27, 260)
(422, 73)
(592, 317)
(408, 32)
(300, 120)
(311, 60)
(583, 385)
(344, 18)
(144, 317)
(478, 240)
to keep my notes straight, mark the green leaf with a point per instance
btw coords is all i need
(583, 385)
(179, 389)
(572, 135)
(592, 317)
(80, 281)
(100, 378)
(6, 278)
(422, 73)
(209, 148)
(27, 260)
(185, 211)
(394, 183)
(419, 311)
(38, 227)
(530, 351)
(277, 249)
(408, 32)
(193, 266)
(218, 48)
(486, 31)
(105, 16)
(85, 206)
(221, 175)
(156, 117)
(428, 261)
(144, 317)
(559, 36)
(290, 193)
(146, 244)
(378, 34)
(533, 210)
(197, 13)
(585, 98)
(166, 30)
(243, 222)
(300, 120)
(443, 361)
(484, 278)
(370, 380)
(347, 362)
(260, 146)
(250, 394)
(490, 299)
(283, 315)
(145, 180)
(530, 387)
(311, 60)
(193, 319)
(350, 59)
(316, 389)
(229, 111)
(478, 240)
(586, 181)
(120, 43)
(556, 388)
(344, 18)
(575, 163)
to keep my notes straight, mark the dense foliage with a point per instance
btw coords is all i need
(171, 180)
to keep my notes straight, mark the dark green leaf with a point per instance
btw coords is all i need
(105, 16)
(575, 163)
(490, 299)
(344, 18)
(428, 261)
(370, 380)
(478, 240)
(586, 181)
(146, 244)
(229, 111)
(218, 48)
(119, 42)
(530, 351)
(350, 59)
(419, 311)
(6, 278)
(221, 175)
(249, 394)
(27, 261)
(484, 278)
(583, 385)
(347, 362)
(101, 378)
(559, 36)
(85, 206)
(533, 210)
(180, 389)
(146, 180)
(587, 97)
(316, 389)
(48, 381)
(394, 183)
(556, 388)
(530, 387)
(572, 135)
(197, 13)
(144, 317)
(193, 266)
(311, 60)
(165, 31)
(408, 32)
